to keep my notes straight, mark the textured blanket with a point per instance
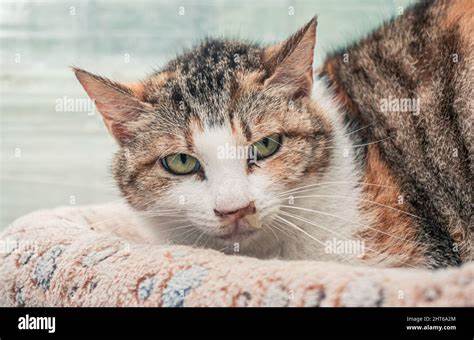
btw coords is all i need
(96, 256)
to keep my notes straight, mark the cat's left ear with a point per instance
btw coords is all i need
(120, 105)
(289, 65)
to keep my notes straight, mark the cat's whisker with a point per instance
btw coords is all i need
(359, 145)
(384, 255)
(349, 221)
(189, 234)
(183, 230)
(318, 226)
(186, 235)
(208, 237)
(284, 225)
(202, 239)
(300, 230)
(289, 232)
(360, 129)
(295, 190)
(312, 223)
(283, 231)
(172, 228)
(363, 200)
(267, 227)
(196, 242)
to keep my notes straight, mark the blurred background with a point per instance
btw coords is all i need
(54, 148)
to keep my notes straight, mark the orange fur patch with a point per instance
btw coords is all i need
(392, 234)
(461, 13)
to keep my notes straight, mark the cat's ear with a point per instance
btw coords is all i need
(119, 104)
(289, 65)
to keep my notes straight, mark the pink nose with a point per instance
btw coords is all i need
(238, 213)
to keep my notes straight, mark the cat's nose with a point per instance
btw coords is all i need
(237, 213)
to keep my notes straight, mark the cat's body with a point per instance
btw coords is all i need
(427, 54)
(324, 181)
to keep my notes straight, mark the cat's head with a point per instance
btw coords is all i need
(214, 139)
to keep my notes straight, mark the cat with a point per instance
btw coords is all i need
(247, 149)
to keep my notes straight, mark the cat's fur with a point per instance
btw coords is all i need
(325, 181)
(428, 54)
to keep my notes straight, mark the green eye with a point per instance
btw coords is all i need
(267, 146)
(180, 164)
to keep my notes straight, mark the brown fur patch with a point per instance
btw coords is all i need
(154, 84)
(392, 234)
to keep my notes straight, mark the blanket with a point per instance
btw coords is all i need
(97, 256)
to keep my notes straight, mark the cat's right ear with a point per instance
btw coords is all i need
(119, 104)
(289, 64)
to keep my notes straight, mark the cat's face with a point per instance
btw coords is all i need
(210, 144)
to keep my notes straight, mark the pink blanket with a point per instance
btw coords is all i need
(95, 256)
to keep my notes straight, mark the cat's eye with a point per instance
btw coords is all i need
(180, 164)
(267, 146)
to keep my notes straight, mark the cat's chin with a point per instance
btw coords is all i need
(247, 241)
(255, 243)
(237, 231)
(238, 239)
(237, 236)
